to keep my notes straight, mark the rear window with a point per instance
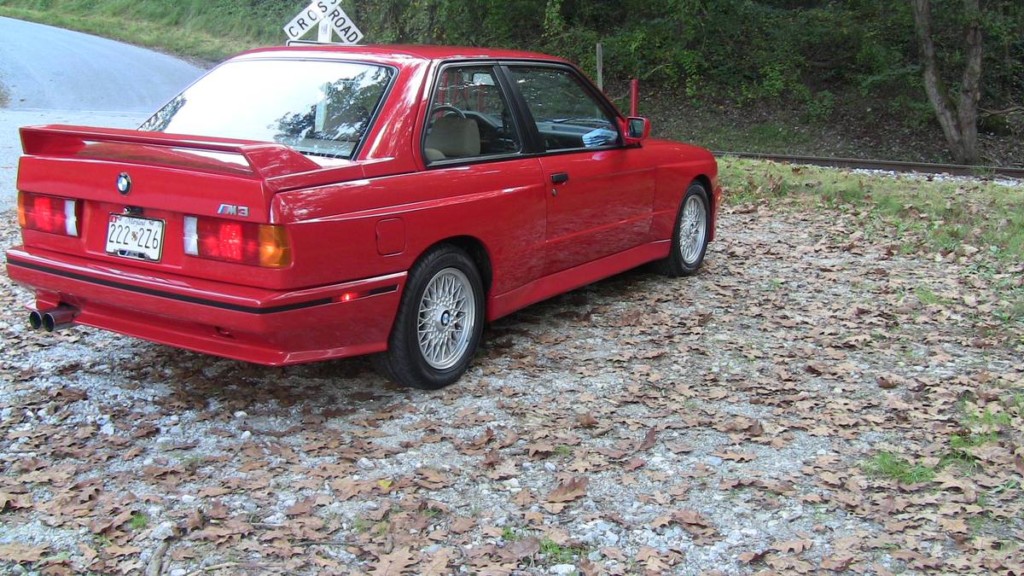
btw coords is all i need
(320, 108)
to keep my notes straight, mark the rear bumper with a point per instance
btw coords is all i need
(244, 323)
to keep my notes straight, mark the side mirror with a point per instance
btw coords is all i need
(636, 130)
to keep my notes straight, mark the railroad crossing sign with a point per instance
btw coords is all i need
(330, 18)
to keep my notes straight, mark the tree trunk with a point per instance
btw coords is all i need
(959, 120)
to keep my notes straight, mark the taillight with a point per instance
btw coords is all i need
(48, 214)
(240, 242)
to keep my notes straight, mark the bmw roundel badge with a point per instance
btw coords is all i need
(124, 183)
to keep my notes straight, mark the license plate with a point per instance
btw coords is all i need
(139, 238)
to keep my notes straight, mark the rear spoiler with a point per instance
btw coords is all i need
(261, 159)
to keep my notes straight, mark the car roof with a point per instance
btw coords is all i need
(396, 53)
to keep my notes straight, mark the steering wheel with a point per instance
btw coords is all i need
(448, 111)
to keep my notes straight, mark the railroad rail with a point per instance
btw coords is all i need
(888, 165)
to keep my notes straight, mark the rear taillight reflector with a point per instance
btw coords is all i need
(48, 214)
(240, 242)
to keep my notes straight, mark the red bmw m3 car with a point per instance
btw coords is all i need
(304, 203)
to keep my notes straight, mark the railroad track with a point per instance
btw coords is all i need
(888, 165)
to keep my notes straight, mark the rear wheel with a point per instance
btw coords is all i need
(690, 235)
(439, 322)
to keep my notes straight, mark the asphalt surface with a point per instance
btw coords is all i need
(56, 76)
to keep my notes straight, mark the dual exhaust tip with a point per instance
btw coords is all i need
(52, 319)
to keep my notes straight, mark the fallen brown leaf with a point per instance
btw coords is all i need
(569, 491)
(398, 562)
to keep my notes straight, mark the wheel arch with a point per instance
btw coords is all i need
(705, 181)
(477, 252)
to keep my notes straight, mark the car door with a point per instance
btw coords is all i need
(600, 193)
(473, 150)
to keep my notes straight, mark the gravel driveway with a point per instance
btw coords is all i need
(739, 421)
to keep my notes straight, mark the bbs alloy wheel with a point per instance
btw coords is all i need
(439, 322)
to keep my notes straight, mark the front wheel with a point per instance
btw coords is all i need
(690, 235)
(439, 322)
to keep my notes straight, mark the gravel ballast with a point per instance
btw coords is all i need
(733, 422)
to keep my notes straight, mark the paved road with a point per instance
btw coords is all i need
(59, 76)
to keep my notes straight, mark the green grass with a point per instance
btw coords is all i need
(988, 419)
(958, 442)
(981, 427)
(555, 553)
(552, 552)
(764, 137)
(927, 215)
(207, 30)
(1015, 403)
(926, 296)
(138, 522)
(361, 525)
(960, 451)
(889, 465)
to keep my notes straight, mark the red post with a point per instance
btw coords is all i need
(634, 97)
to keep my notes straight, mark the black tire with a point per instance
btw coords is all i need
(690, 234)
(439, 323)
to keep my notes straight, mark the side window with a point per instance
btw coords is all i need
(568, 116)
(469, 116)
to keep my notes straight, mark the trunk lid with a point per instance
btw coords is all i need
(153, 180)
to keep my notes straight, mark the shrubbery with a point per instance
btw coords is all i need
(809, 52)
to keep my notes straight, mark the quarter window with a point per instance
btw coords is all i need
(469, 117)
(567, 115)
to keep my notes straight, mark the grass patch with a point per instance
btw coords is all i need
(361, 525)
(889, 465)
(939, 216)
(5, 98)
(772, 136)
(980, 427)
(960, 451)
(139, 521)
(550, 552)
(958, 442)
(988, 419)
(926, 296)
(1015, 403)
(555, 553)
(209, 31)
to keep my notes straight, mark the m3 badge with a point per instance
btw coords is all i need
(233, 210)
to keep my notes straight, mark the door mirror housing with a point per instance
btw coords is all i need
(636, 130)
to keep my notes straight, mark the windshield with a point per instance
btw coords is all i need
(320, 108)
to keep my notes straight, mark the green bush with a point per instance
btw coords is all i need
(747, 51)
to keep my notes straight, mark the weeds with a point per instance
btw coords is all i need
(563, 451)
(139, 521)
(889, 465)
(555, 553)
(988, 419)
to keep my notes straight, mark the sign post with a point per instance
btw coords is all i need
(330, 20)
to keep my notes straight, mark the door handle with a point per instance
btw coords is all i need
(559, 178)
